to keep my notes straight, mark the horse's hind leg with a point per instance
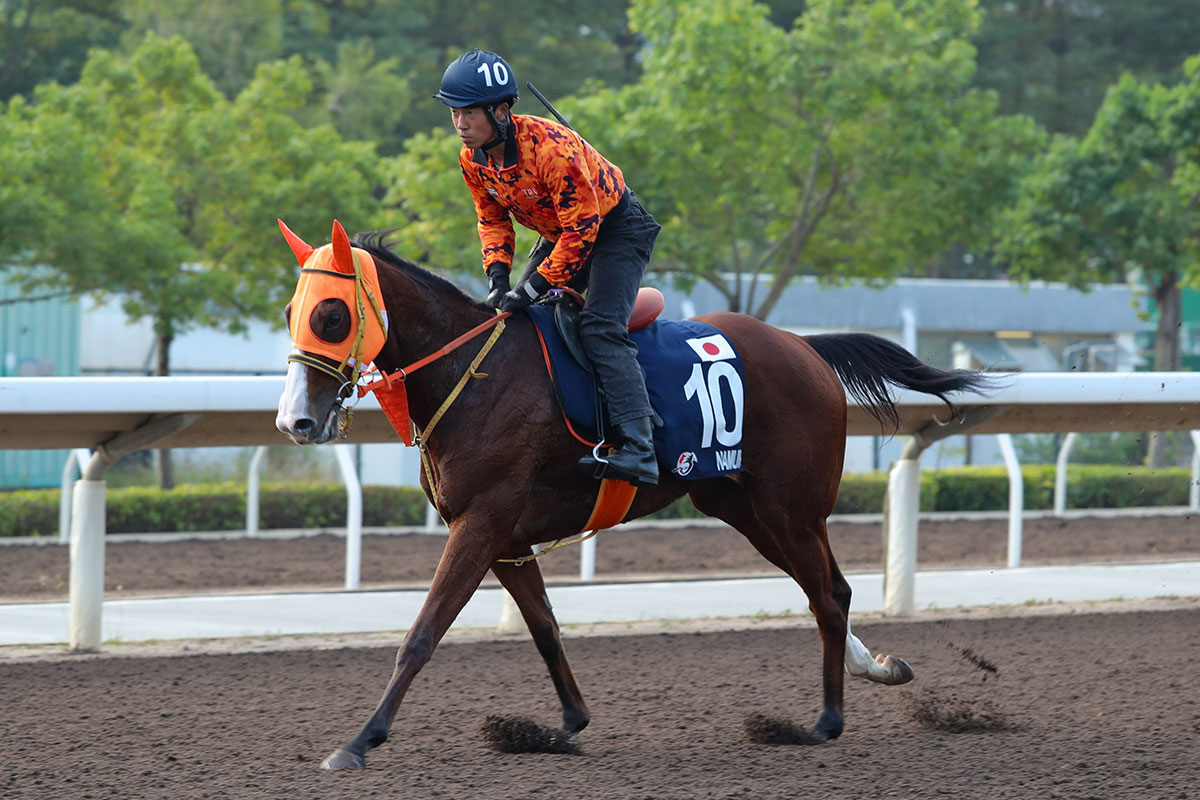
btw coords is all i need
(801, 550)
(527, 588)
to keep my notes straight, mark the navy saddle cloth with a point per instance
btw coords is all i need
(695, 382)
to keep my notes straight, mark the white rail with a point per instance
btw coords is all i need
(113, 416)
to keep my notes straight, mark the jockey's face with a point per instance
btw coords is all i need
(473, 125)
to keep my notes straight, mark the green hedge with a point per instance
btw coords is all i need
(217, 507)
(1088, 486)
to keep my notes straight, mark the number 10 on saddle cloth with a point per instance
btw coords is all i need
(695, 383)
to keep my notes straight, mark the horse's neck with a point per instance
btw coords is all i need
(421, 320)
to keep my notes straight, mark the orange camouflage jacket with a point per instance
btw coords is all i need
(552, 182)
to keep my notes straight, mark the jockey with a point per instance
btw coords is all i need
(596, 236)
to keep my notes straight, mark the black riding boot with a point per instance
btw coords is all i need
(634, 460)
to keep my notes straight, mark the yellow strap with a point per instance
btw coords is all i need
(557, 543)
(470, 373)
(419, 439)
(612, 504)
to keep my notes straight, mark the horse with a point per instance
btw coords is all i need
(501, 466)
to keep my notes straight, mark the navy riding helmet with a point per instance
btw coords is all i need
(480, 78)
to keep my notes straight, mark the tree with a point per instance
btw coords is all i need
(144, 182)
(1055, 59)
(42, 42)
(848, 146)
(230, 38)
(1120, 203)
(556, 43)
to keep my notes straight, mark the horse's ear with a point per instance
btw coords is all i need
(343, 259)
(302, 250)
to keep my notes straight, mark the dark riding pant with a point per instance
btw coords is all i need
(613, 275)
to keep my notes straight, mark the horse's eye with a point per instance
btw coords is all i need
(330, 321)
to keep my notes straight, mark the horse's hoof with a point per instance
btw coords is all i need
(830, 725)
(343, 759)
(898, 670)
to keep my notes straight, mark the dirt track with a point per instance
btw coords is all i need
(1035, 702)
(1083, 705)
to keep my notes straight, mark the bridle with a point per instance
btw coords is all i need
(370, 335)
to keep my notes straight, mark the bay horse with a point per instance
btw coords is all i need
(503, 464)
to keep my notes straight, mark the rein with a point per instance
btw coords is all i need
(393, 396)
(387, 379)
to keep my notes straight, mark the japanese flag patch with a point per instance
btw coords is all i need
(712, 348)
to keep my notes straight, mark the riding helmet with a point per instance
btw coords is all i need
(478, 78)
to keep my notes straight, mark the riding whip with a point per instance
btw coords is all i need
(549, 107)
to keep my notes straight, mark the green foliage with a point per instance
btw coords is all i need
(986, 488)
(1054, 61)
(864, 493)
(230, 37)
(847, 146)
(216, 507)
(771, 152)
(143, 180)
(41, 42)
(29, 512)
(1091, 486)
(1121, 200)
(1125, 448)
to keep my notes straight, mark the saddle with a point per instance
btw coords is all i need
(568, 303)
(694, 382)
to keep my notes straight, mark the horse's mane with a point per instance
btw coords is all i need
(376, 243)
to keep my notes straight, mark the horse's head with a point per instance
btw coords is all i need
(338, 325)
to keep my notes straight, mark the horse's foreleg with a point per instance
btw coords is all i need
(527, 588)
(462, 566)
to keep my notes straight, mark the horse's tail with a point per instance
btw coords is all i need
(867, 364)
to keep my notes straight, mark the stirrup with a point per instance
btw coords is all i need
(603, 469)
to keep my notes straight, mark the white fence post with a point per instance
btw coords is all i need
(1060, 475)
(1194, 494)
(1016, 497)
(903, 501)
(86, 586)
(88, 526)
(587, 559)
(510, 615)
(345, 458)
(77, 460)
(252, 490)
(433, 520)
(511, 620)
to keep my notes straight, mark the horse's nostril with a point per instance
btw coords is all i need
(304, 426)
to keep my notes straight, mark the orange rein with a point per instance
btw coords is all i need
(386, 379)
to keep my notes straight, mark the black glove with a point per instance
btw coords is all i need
(498, 273)
(526, 292)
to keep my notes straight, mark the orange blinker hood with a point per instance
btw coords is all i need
(337, 271)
